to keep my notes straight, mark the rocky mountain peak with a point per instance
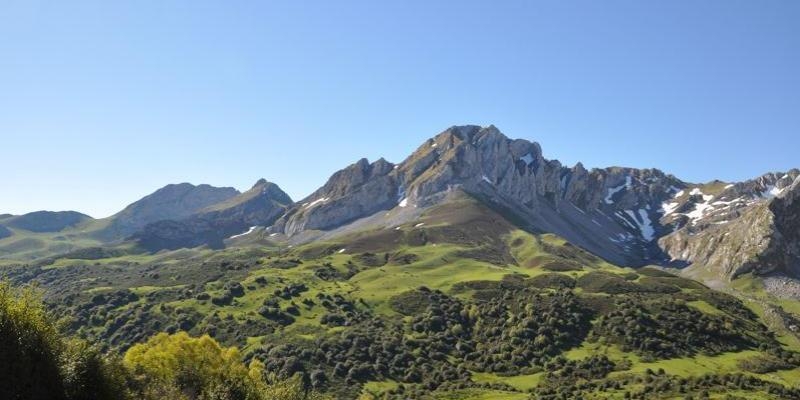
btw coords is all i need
(629, 216)
(211, 226)
(270, 190)
(173, 201)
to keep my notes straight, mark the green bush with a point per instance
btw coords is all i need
(28, 336)
(45, 365)
(36, 362)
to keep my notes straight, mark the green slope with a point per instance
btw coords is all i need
(457, 305)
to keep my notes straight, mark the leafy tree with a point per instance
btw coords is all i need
(29, 347)
(183, 367)
(38, 363)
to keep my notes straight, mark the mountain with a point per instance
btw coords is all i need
(359, 190)
(458, 303)
(173, 201)
(628, 216)
(732, 229)
(46, 221)
(475, 268)
(261, 205)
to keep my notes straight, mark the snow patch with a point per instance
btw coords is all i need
(668, 208)
(699, 211)
(341, 251)
(403, 202)
(419, 224)
(646, 227)
(770, 192)
(249, 231)
(528, 158)
(486, 179)
(697, 191)
(315, 202)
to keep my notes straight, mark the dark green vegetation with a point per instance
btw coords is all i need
(462, 306)
(39, 363)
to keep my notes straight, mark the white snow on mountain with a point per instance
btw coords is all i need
(315, 202)
(643, 223)
(252, 228)
(528, 158)
(668, 208)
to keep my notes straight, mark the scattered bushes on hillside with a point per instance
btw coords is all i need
(552, 281)
(648, 327)
(40, 364)
(604, 282)
(562, 266)
(521, 330)
(660, 385)
(775, 360)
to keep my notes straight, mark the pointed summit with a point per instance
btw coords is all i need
(259, 206)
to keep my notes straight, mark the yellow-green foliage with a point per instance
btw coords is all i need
(179, 366)
(29, 339)
(37, 363)
(171, 358)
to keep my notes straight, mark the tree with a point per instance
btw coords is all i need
(183, 367)
(38, 363)
(30, 347)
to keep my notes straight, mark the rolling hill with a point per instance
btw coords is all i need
(474, 269)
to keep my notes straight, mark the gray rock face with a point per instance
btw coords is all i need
(261, 205)
(625, 215)
(174, 201)
(785, 253)
(359, 190)
(586, 207)
(731, 229)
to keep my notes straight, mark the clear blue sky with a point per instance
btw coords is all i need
(103, 102)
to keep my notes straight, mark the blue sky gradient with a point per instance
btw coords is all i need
(103, 102)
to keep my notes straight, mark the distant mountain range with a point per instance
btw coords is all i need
(473, 269)
(627, 216)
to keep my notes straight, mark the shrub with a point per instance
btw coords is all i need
(37, 363)
(28, 336)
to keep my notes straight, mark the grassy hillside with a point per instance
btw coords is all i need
(25, 245)
(457, 305)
